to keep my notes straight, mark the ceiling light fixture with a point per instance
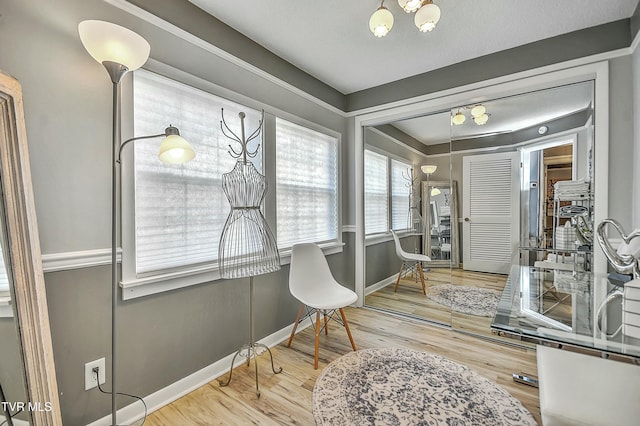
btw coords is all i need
(458, 118)
(410, 6)
(427, 15)
(381, 21)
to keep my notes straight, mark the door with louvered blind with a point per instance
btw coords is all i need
(491, 211)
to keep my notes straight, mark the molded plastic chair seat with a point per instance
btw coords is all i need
(410, 261)
(311, 282)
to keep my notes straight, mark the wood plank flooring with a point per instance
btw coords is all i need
(410, 300)
(286, 397)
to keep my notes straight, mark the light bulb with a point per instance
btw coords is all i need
(381, 22)
(427, 17)
(458, 119)
(478, 110)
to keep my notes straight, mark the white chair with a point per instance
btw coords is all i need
(578, 389)
(311, 282)
(410, 261)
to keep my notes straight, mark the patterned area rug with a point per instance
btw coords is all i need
(469, 300)
(394, 386)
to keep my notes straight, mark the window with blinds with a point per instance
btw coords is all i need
(306, 185)
(400, 194)
(376, 193)
(180, 209)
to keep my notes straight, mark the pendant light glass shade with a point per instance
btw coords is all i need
(381, 22)
(427, 17)
(481, 119)
(435, 191)
(478, 110)
(107, 42)
(458, 119)
(175, 150)
(428, 169)
(410, 6)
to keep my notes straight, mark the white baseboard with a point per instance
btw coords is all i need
(165, 396)
(380, 284)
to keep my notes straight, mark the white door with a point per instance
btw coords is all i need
(490, 211)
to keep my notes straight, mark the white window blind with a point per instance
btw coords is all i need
(306, 185)
(400, 193)
(376, 193)
(180, 209)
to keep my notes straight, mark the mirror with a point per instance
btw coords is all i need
(519, 122)
(27, 371)
(440, 206)
(510, 153)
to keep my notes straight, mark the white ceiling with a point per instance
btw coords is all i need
(505, 115)
(330, 39)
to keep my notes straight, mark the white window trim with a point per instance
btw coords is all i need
(133, 286)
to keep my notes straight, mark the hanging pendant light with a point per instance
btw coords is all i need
(381, 21)
(458, 118)
(427, 16)
(410, 6)
(478, 110)
(481, 119)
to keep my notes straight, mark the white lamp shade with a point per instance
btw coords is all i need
(410, 6)
(458, 119)
(478, 110)
(435, 191)
(481, 119)
(381, 22)
(175, 150)
(427, 17)
(110, 42)
(428, 169)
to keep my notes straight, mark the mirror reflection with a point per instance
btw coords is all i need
(13, 395)
(494, 176)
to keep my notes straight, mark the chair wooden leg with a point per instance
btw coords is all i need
(421, 273)
(326, 323)
(346, 326)
(399, 276)
(315, 362)
(295, 326)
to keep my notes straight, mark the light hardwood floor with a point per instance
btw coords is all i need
(286, 397)
(409, 299)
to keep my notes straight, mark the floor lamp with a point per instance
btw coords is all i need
(120, 50)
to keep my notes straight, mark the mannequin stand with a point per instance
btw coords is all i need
(249, 350)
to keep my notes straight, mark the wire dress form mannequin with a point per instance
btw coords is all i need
(247, 246)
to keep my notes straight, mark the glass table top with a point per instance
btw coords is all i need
(547, 302)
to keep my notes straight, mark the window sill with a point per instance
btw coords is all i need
(146, 286)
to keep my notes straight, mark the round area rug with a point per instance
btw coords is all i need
(394, 386)
(470, 300)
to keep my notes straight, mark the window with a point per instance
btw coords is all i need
(376, 193)
(307, 204)
(180, 209)
(400, 194)
(387, 193)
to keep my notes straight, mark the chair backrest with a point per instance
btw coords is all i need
(399, 252)
(309, 269)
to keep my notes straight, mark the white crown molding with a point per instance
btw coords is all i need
(398, 142)
(78, 259)
(205, 45)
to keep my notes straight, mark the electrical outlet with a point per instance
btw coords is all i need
(90, 381)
